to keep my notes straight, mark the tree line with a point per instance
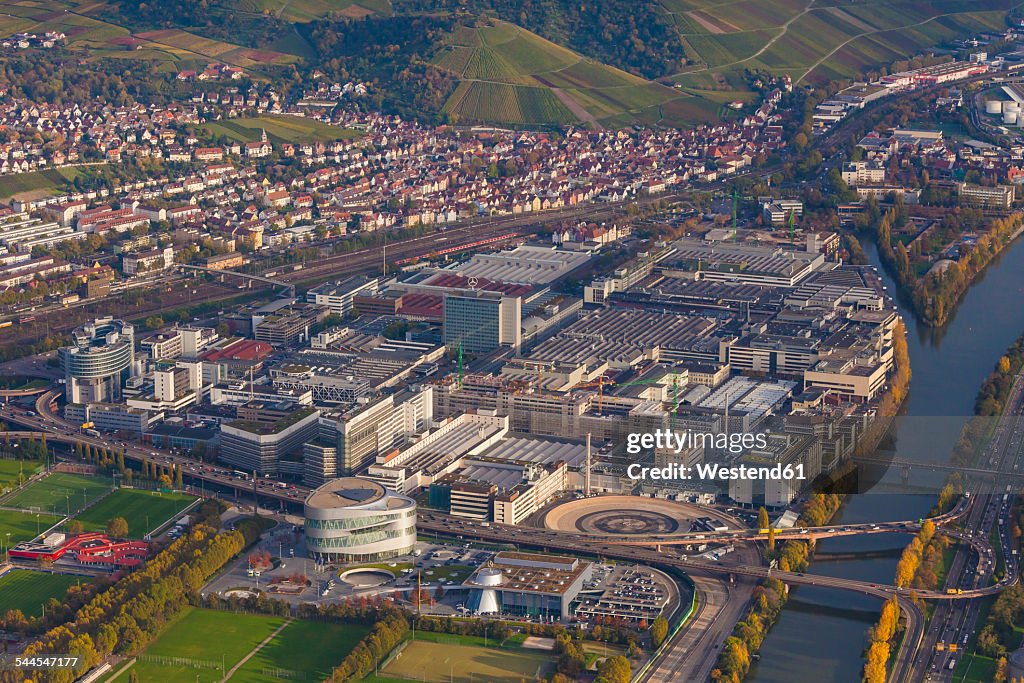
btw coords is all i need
(770, 596)
(880, 638)
(129, 615)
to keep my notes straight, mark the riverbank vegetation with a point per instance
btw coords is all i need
(880, 641)
(770, 596)
(935, 261)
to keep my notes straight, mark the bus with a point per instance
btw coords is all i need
(239, 474)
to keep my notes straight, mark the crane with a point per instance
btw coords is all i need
(602, 380)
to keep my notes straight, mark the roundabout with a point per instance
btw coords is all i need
(624, 515)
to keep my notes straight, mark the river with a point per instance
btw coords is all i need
(820, 635)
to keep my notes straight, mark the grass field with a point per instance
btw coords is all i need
(279, 129)
(24, 526)
(41, 183)
(59, 491)
(28, 590)
(443, 662)
(303, 650)
(139, 508)
(311, 649)
(204, 636)
(10, 470)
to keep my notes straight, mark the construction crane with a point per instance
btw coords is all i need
(602, 380)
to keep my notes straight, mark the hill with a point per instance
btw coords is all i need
(507, 74)
(552, 62)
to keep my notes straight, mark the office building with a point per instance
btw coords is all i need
(338, 296)
(482, 321)
(99, 361)
(259, 446)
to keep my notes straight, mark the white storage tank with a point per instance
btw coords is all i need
(1010, 117)
(1011, 106)
(994, 107)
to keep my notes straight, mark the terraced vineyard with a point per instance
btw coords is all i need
(818, 41)
(510, 75)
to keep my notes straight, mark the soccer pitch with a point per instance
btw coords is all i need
(143, 510)
(23, 526)
(192, 648)
(195, 646)
(27, 590)
(59, 491)
(304, 650)
(10, 469)
(444, 662)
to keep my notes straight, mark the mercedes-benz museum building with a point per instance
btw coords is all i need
(356, 520)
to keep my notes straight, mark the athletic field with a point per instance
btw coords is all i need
(444, 662)
(194, 647)
(304, 650)
(23, 526)
(59, 491)
(28, 590)
(139, 508)
(10, 469)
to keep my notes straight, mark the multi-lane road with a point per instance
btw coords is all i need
(953, 624)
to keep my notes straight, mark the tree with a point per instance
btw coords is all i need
(178, 483)
(117, 528)
(875, 667)
(659, 631)
(762, 518)
(75, 527)
(614, 670)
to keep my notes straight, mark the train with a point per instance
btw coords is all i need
(462, 247)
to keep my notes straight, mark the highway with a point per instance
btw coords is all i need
(953, 624)
(577, 543)
(692, 653)
(57, 429)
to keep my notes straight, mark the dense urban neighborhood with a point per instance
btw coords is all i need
(503, 342)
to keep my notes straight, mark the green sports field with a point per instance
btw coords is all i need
(59, 491)
(10, 469)
(304, 650)
(138, 507)
(443, 662)
(23, 526)
(206, 638)
(28, 590)
(44, 182)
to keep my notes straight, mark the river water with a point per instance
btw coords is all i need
(820, 635)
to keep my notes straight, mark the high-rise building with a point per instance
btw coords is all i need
(481, 321)
(351, 439)
(254, 445)
(99, 360)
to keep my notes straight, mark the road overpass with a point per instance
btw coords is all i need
(237, 274)
(545, 539)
